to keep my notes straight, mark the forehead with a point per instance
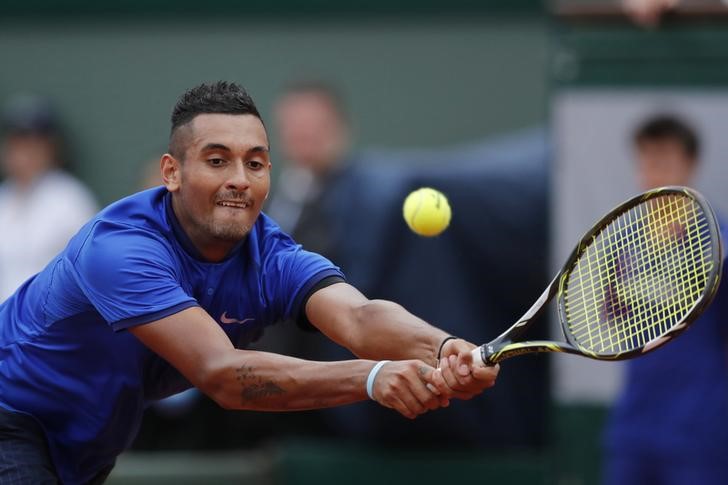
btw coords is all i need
(662, 147)
(239, 132)
(308, 103)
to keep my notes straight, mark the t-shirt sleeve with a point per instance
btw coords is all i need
(289, 276)
(129, 276)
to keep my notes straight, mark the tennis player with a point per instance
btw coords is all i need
(159, 291)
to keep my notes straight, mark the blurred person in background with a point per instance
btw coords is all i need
(41, 206)
(315, 142)
(669, 426)
(648, 13)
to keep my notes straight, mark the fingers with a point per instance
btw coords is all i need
(460, 373)
(486, 373)
(455, 384)
(465, 367)
(445, 390)
(402, 408)
(413, 388)
(446, 381)
(403, 386)
(464, 361)
(439, 387)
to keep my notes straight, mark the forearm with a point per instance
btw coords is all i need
(385, 330)
(264, 381)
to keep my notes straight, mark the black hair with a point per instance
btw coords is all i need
(220, 97)
(669, 127)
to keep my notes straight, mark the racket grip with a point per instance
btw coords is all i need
(478, 359)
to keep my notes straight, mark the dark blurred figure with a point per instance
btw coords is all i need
(314, 138)
(41, 206)
(669, 426)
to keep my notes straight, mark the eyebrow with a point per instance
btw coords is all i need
(216, 146)
(220, 146)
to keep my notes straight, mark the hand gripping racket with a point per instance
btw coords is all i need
(637, 279)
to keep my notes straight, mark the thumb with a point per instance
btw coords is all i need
(465, 360)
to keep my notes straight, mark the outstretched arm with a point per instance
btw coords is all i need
(240, 379)
(372, 329)
(379, 329)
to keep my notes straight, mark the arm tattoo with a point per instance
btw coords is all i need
(253, 387)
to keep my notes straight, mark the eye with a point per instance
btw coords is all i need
(255, 165)
(216, 162)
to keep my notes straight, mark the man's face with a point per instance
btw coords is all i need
(25, 156)
(219, 187)
(311, 132)
(663, 162)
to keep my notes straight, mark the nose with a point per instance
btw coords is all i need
(238, 178)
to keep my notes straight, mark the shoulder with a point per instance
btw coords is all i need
(133, 228)
(145, 209)
(271, 245)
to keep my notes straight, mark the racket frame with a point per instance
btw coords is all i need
(504, 346)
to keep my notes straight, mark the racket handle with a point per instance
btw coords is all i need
(478, 359)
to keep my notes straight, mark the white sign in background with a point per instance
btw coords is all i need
(594, 171)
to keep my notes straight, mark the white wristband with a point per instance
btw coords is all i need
(373, 375)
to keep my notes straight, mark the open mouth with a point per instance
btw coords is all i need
(235, 204)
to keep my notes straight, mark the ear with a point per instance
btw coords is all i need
(170, 168)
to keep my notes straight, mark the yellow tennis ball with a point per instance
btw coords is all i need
(427, 212)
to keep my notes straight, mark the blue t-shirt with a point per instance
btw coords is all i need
(674, 404)
(65, 358)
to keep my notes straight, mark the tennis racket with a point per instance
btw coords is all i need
(636, 280)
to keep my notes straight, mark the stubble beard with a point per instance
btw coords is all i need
(228, 232)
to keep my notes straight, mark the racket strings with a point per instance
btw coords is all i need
(639, 276)
(641, 339)
(660, 312)
(631, 332)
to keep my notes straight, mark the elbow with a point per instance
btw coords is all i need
(216, 380)
(374, 310)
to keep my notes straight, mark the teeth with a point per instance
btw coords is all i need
(241, 205)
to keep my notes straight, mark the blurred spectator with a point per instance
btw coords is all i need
(314, 137)
(669, 426)
(648, 13)
(41, 206)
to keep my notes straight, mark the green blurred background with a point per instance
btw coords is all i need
(422, 73)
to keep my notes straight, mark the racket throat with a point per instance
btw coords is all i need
(494, 352)
(503, 347)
